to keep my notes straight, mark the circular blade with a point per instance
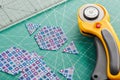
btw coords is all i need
(91, 12)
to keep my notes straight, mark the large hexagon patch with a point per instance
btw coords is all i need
(50, 38)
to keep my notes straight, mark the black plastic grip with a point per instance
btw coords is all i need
(112, 50)
(100, 71)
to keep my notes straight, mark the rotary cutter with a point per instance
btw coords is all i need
(93, 19)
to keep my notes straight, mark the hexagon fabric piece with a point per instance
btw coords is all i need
(37, 70)
(71, 48)
(32, 27)
(50, 38)
(68, 73)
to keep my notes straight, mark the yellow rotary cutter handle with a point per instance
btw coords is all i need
(93, 19)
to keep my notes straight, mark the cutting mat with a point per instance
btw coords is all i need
(65, 16)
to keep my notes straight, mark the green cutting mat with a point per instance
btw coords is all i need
(65, 16)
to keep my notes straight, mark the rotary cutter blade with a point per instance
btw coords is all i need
(91, 13)
(93, 19)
